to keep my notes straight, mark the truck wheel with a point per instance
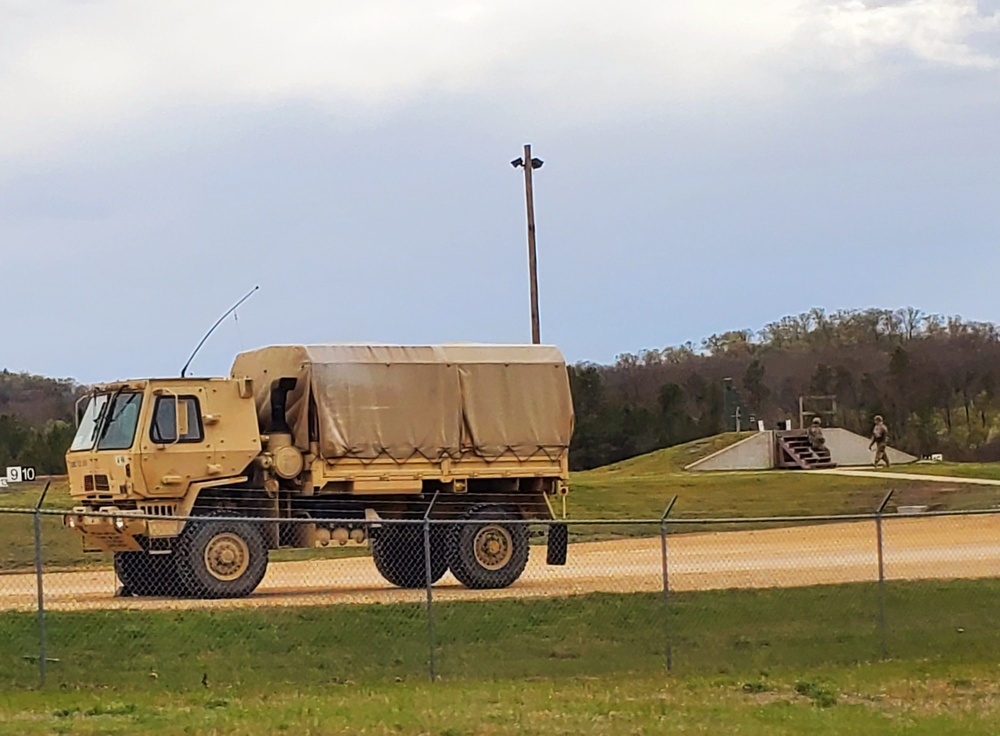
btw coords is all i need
(398, 552)
(221, 558)
(490, 554)
(144, 574)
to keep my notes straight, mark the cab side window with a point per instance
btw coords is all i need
(164, 428)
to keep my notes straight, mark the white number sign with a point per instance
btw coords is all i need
(17, 474)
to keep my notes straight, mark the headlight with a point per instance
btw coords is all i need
(71, 522)
(119, 523)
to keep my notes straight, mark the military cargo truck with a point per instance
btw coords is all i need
(325, 446)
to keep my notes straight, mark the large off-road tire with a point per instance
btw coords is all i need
(221, 558)
(398, 552)
(144, 574)
(490, 554)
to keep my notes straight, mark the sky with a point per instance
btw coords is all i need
(709, 166)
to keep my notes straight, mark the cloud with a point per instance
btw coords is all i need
(71, 69)
(934, 31)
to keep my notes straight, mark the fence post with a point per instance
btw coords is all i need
(430, 585)
(43, 656)
(881, 576)
(668, 649)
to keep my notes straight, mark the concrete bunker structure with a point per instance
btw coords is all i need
(780, 449)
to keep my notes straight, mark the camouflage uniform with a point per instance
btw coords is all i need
(816, 439)
(880, 438)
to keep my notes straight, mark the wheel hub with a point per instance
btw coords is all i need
(493, 547)
(227, 556)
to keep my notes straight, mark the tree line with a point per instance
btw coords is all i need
(935, 379)
(36, 421)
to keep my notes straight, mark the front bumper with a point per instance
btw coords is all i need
(107, 529)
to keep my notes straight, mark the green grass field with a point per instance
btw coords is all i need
(990, 471)
(711, 633)
(17, 542)
(770, 661)
(870, 700)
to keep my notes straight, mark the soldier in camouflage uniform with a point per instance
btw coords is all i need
(880, 438)
(816, 439)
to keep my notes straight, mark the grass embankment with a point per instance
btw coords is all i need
(769, 661)
(643, 486)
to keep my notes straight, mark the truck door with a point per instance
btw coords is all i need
(174, 450)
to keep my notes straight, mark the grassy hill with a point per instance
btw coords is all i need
(641, 487)
(668, 460)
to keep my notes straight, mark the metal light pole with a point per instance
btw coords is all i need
(528, 164)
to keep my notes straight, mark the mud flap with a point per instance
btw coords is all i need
(558, 544)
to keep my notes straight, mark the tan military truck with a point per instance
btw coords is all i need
(332, 442)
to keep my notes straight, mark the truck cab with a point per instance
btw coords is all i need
(142, 446)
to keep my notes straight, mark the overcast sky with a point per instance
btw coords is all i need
(709, 165)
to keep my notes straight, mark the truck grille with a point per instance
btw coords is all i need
(96, 483)
(157, 509)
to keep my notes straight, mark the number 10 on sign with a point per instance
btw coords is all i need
(17, 474)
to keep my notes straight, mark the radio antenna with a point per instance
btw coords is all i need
(218, 322)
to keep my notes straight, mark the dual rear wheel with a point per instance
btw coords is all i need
(398, 553)
(485, 552)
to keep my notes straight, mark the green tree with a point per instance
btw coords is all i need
(14, 436)
(676, 425)
(822, 380)
(46, 449)
(753, 383)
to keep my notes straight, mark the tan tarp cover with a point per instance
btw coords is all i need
(434, 401)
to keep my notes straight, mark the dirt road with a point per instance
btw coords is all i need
(945, 547)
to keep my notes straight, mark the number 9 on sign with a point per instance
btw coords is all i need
(17, 474)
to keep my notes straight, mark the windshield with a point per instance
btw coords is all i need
(86, 433)
(109, 421)
(118, 430)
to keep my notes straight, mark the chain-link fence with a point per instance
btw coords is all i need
(448, 598)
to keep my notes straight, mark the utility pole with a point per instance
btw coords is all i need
(528, 164)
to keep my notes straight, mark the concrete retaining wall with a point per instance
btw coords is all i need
(848, 448)
(757, 452)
